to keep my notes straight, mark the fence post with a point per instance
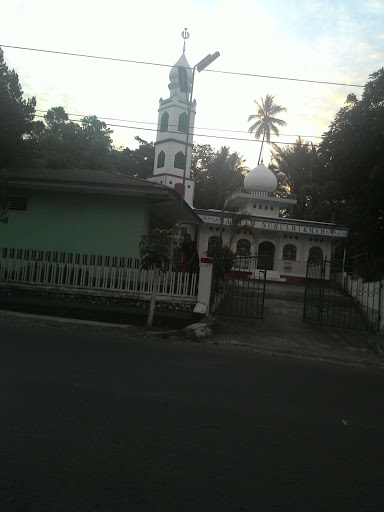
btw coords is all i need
(205, 286)
(381, 307)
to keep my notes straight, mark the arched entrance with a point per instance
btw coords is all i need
(266, 256)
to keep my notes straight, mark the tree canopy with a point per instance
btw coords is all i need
(352, 152)
(217, 173)
(16, 116)
(342, 181)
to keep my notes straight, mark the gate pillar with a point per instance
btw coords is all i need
(205, 286)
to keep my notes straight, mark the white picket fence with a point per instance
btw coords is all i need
(369, 295)
(58, 270)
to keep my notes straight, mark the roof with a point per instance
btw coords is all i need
(105, 182)
(91, 176)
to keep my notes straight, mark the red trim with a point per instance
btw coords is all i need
(292, 279)
(206, 260)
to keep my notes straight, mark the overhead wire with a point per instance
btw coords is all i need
(174, 132)
(132, 61)
(174, 125)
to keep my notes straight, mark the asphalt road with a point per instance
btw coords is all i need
(111, 424)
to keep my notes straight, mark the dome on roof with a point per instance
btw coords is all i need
(174, 73)
(261, 178)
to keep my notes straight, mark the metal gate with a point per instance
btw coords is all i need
(337, 295)
(238, 287)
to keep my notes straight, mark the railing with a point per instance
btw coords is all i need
(259, 193)
(345, 300)
(60, 270)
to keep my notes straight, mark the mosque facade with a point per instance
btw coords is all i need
(251, 223)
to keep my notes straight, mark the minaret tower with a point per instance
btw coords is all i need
(175, 127)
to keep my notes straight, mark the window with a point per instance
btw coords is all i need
(289, 252)
(243, 247)
(164, 122)
(179, 160)
(161, 159)
(17, 203)
(315, 254)
(214, 241)
(183, 122)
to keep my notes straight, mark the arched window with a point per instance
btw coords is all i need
(179, 160)
(289, 252)
(164, 122)
(183, 122)
(315, 254)
(243, 247)
(214, 241)
(161, 159)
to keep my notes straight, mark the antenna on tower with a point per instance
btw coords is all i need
(185, 36)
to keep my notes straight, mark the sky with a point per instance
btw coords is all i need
(340, 41)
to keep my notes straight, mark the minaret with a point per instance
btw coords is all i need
(172, 131)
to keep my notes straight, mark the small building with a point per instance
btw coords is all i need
(83, 211)
(283, 245)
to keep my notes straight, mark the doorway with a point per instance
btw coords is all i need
(266, 256)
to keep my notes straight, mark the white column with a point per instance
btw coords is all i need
(205, 286)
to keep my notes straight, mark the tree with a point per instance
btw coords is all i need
(300, 171)
(352, 151)
(61, 143)
(156, 254)
(266, 122)
(16, 116)
(96, 142)
(137, 163)
(217, 174)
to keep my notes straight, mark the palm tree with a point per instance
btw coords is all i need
(265, 120)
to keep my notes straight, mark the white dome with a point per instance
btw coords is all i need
(261, 178)
(174, 73)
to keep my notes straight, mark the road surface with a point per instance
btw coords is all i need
(116, 424)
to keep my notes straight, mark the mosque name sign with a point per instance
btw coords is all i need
(297, 228)
(275, 225)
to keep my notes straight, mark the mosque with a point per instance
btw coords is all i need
(283, 244)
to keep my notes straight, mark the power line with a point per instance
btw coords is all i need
(174, 125)
(283, 78)
(195, 134)
(130, 61)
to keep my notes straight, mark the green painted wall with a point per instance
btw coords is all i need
(79, 223)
